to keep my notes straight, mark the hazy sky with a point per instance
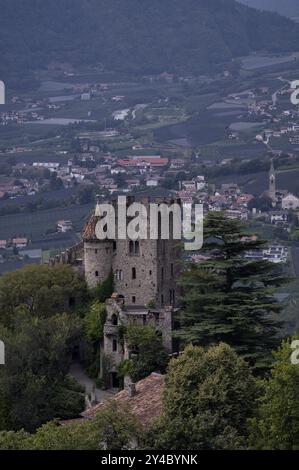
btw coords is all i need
(285, 7)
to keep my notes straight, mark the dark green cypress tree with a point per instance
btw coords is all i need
(229, 298)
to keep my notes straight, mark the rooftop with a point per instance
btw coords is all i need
(146, 404)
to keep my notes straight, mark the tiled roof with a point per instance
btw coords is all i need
(89, 229)
(146, 404)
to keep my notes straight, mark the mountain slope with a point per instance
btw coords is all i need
(283, 7)
(189, 36)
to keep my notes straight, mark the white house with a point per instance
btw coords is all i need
(64, 226)
(290, 202)
(152, 183)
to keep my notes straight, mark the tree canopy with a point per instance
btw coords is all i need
(209, 395)
(34, 384)
(114, 428)
(276, 426)
(40, 290)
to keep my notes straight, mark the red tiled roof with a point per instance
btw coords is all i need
(146, 404)
(146, 160)
(89, 229)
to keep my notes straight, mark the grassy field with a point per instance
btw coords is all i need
(35, 225)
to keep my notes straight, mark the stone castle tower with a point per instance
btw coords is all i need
(145, 284)
(145, 271)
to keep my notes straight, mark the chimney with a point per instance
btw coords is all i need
(131, 387)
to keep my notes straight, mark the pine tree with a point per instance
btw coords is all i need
(230, 298)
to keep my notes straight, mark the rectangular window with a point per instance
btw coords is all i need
(133, 299)
(114, 345)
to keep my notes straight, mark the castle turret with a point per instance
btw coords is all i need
(97, 253)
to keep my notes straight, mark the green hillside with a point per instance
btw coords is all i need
(135, 36)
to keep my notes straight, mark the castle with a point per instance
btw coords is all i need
(145, 275)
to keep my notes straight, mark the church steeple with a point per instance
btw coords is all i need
(272, 182)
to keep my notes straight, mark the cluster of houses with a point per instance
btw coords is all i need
(15, 242)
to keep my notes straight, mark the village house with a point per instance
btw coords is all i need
(19, 242)
(279, 218)
(64, 226)
(290, 201)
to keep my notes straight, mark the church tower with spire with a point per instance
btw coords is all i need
(272, 182)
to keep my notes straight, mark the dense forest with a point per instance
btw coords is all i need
(286, 7)
(189, 36)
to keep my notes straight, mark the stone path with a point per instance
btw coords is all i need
(80, 375)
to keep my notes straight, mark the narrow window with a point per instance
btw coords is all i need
(137, 248)
(131, 247)
(133, 299)
(162, 274)
(171, 270)
(162, 300)
(133, 273)
(96, 274)
(114, 345)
